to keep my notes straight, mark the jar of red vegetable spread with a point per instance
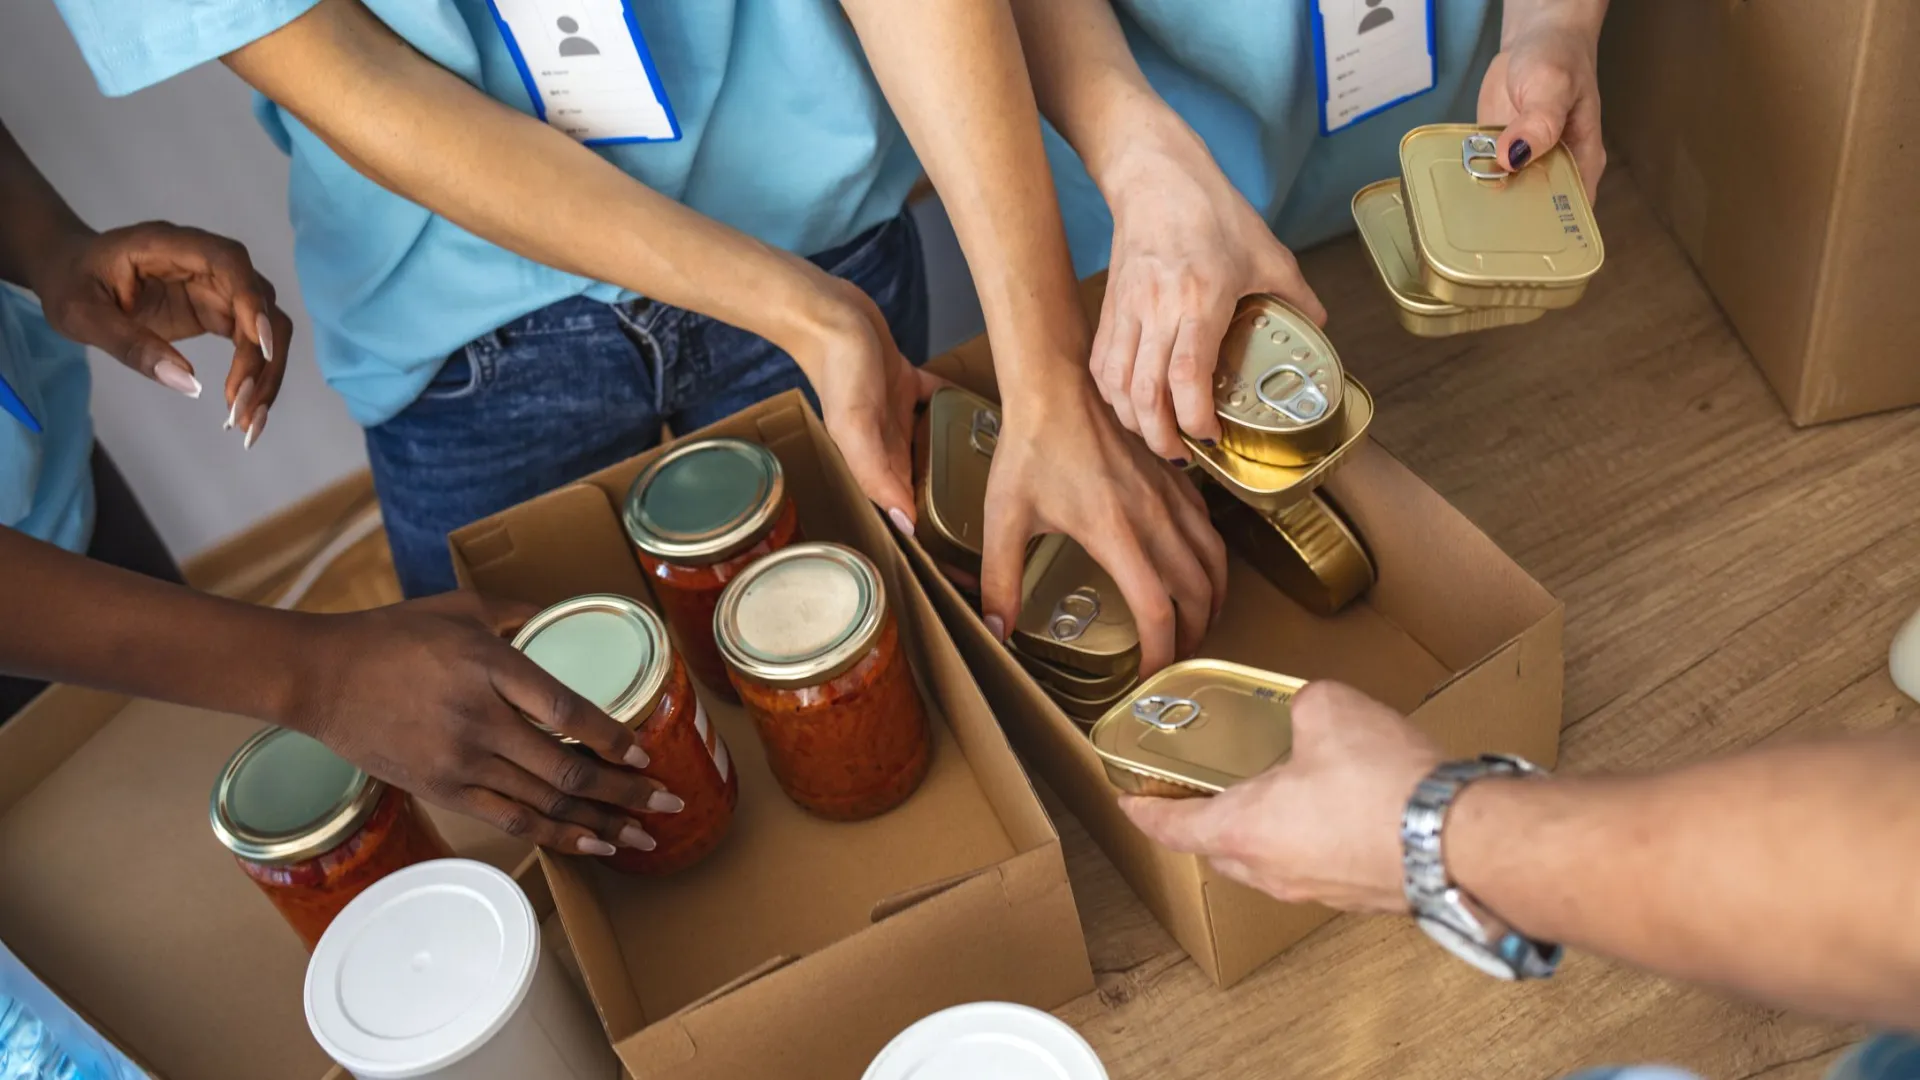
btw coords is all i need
(816, 657)
(614, 652)
(313, 831)
(699, 515)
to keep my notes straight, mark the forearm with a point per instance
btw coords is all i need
(1519, 16)
(34, 219)
(1087, 81)
(1788, 873)
(953, 72)
(64, 618)
(423, 133)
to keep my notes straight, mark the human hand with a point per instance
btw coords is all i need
(868, 391)
(1061, 464)
(132, 292)
(1544, 85)
(1321, 827)
(427, 696)
(1186, 248)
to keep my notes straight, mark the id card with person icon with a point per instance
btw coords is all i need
(587, 69)
(1370, 55)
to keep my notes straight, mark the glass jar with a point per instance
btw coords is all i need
(816, 657)
(614, 652)
(700, 514)
(313, 831)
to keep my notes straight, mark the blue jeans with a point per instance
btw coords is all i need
(580, 385)
(1883, 1057)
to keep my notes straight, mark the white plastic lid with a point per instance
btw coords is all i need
(988, 1038)
(421, 969)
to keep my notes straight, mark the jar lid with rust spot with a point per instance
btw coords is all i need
(705, 500)
(1199, 727)
(801, 616)
(285, 798)
(1279, 389)
(609, 649)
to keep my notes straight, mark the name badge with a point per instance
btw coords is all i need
(587, 69)
(1370, 55)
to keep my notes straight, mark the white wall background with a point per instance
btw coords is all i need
(189, 151)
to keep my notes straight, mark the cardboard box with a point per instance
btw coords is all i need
(1775, 138)
(118, 896)
(802, 946)
(1454, 634)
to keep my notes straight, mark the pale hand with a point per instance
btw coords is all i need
(1323, 827)
(1544, 88)
(1186, 248)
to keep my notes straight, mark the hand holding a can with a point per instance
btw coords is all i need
(1544, 86)
(1186, 247)
(1323, 826)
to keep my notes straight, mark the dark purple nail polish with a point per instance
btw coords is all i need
(1208, 443)
(1519, 154)
(1178, 463)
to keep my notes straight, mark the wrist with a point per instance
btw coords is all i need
(48, 253)
(1155, 137)
(296, 668)
(1583, 17)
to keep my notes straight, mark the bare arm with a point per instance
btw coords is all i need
(34, 219)
(1790, 873)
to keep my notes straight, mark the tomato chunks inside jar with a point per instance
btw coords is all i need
(700, 514)
(815, 654)
(614, 652)
(311, 830)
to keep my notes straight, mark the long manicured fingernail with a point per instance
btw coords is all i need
(997, 627)
(664, 802)
(637, 757)
(1209, 443)
(1519, 153)
(636, 837)
(1178, 463)
(174, 377)
(259, 425)
(900, 521)
(264, 328)
(593, 845)
(239, 404)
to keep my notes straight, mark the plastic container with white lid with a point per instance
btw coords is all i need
(438, 971)
(988, 1039)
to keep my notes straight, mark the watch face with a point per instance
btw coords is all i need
(1468, 949)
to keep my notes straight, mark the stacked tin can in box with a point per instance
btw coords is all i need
(1463, 245)
(1289, 414)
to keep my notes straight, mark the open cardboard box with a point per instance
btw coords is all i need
(802, 946)
(115, 892)
(1454, 633)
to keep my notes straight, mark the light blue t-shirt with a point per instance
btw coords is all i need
(46, 478)
(785, 136)
(1241, 73)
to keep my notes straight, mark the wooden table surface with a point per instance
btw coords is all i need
(1728, 580)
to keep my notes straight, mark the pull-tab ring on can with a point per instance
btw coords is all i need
(985, 434)
(1298, 398)
(1481, 147)
(1166, 713)
(1073, 614)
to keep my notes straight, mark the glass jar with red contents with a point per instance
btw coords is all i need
(700, 514)
(614, 652)
(815, 654)
(313, 831)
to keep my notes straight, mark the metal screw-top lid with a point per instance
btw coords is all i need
(609, 649)
(285, 798)
(801, 616)
(704, 501)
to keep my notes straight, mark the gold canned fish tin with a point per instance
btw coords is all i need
(1197, 728)
(955, 448)
(1308, 551)
(1072, 614)
(1380, 211)
(1279, 389)
(1276, 487)
(1084, 711)
(1054, 678)
(1489, 238)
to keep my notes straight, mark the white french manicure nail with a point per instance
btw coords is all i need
(264, 328)
(593, 845)
(662, 802)
(239, 403)
(259, 425)
(900, 521)
(174, 377)
(637, 757)
(996, 627)
(636, 837)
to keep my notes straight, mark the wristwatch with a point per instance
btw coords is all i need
(1446, 912)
